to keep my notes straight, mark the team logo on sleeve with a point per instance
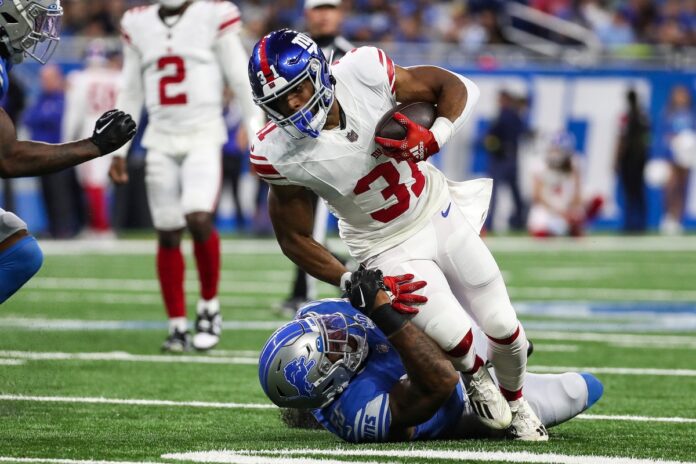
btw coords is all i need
(296, 372)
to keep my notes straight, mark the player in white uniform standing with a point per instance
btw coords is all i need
(178, 54)
(395, 212)
(89, 93)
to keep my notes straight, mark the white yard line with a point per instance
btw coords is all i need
(213, 405)
(266, 457)
(87, 325)
(11, 362)
(550, 348)
(126, 357)
(70, 461)
(589, 294)
(616, 370)
(135, 402)
(648, 341)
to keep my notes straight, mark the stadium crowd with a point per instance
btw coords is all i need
(472, 24)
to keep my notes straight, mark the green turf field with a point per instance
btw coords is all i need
(82, 378)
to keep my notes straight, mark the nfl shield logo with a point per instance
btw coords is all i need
(352, 136)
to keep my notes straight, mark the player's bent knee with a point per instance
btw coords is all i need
(18, 264)
(447, 328)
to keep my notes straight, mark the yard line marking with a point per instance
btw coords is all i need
(253, 360)
(270, 246)
(590, 293)
(239, 456)
(551, 348)
(126, 357)
(678, 420)
(674, 341)
(34, 295)
(207, 404)
(70, 461)
(11, 362)
(85, 325)
(616, 370)
(136, 402)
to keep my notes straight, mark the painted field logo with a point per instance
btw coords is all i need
(296, 373)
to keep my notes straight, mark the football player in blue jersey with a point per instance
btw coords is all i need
(367, 374)
(30, 28)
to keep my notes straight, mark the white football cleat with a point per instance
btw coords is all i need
(208, 324)
(526, 426)
(486, 400)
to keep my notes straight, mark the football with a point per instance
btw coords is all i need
(422, 113)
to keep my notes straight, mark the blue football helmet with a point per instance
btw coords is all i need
(279, 62)
(308, 362)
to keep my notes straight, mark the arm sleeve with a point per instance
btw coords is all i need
(130, 96)
(233, 60)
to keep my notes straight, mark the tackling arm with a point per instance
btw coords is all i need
(18, 159)
(431, 378)
(291, 211)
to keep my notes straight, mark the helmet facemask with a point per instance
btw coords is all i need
(312, 367)
(30, 28)
(310, 119)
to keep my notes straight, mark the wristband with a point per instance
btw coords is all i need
(345, 278)
(388, 320)
(443, 130)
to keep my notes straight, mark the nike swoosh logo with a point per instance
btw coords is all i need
(445, 213)
(101, 129)
(362, 299)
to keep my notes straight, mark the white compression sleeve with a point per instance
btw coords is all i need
(443, 129)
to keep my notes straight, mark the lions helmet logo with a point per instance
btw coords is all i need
(296, 372)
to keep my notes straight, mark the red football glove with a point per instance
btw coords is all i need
(402, 296)
(418, 145)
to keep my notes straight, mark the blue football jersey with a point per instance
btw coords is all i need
(4, 78)
(361, 413)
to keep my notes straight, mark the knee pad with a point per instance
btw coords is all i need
(443, 323)
(18, 264)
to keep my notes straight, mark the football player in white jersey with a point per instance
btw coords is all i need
(178, 55)
(558, 206)
(30, 28)
(396, 213)
(89, 93)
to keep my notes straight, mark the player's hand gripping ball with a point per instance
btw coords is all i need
(404, 132)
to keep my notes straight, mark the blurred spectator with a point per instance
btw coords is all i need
(235, 152)
(502, 144)
(90, 93)
(679, 136)
(557, 204)
(60, 190)
(631, 157)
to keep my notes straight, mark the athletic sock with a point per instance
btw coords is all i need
(98, 211)
(207, 255)
(180, 324)
(463, 355)
(170, 270)
(509, 358)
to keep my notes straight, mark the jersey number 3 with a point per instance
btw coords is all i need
(394, 188)
(176, 73)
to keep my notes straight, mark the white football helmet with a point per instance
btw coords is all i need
(172, 4)
(30, 27)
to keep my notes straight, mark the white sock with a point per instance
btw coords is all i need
(179, 324)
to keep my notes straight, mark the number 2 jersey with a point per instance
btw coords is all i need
(379, 202)
(178, 67)
(361, 412)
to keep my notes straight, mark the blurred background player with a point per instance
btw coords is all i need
(89, 93)
(323, 21)
(60, 190)
(177, 56)
(30, 28)
(558, 207)
(631, 156)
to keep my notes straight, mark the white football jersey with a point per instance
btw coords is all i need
(90, 93)
(182, 77)
(380, 202)
(557, 188)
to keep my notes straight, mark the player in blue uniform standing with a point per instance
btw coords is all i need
(380, 378)
(30, 28)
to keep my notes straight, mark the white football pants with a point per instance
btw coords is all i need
(178, 185)
(463, 281)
